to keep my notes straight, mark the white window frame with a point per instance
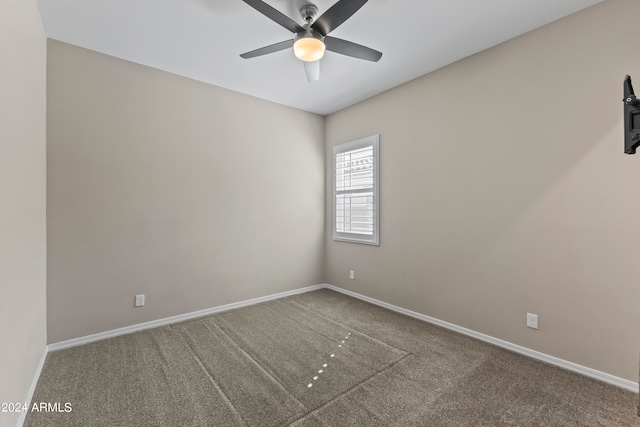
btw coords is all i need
(370, 141)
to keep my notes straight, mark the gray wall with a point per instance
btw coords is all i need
(191, 194)
(505, 190)
(22, 199)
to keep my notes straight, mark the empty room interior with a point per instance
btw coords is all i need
(443, 234)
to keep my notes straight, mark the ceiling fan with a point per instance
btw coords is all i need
(311, 40)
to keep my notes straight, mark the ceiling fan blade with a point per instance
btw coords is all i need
(275, 15)
(336, 15)
(312, 70)
(348, 48)
(268, 49)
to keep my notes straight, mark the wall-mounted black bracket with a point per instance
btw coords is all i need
(631, 118)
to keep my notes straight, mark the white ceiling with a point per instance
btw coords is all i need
(202, 40)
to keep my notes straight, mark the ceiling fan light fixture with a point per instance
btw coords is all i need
(309, 47)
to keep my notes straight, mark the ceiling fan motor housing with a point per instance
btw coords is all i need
(309, 12)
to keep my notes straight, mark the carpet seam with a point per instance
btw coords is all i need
(312, 328)
(262, 368)
(212, 319)
(361, 333)
(216, 385)
(401, 353)
(350, 390)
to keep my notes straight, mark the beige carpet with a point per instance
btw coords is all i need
(315, 359)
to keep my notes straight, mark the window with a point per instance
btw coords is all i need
(355, 191)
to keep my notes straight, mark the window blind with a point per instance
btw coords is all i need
(354, 191)
(355, 166)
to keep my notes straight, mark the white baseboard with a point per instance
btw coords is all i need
(32, 388)
(589, 372)
(174, 319)
(602, 376)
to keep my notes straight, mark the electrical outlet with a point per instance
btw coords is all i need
(139, 301)
(352, 274)
(532, 321)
